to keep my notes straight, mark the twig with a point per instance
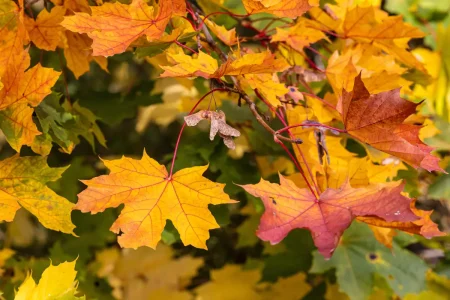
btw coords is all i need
(310, 125)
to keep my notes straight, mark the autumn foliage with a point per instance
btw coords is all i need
(204, 129)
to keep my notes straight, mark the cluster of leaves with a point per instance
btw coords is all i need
(337, 97)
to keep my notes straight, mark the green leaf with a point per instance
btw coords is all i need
(113, 108)
(359, 257)
(64, 123)
(440, 188)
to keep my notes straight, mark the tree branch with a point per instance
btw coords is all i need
(209, 39)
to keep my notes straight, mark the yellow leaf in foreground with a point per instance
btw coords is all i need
(57, 282)
(151, 197)
(23, 184)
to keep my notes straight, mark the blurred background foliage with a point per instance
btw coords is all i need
(134, 111)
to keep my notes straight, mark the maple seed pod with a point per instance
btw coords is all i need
(194, 119)
(218, 125)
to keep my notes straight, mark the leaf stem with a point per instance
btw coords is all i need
(295, 161)
(200, 25)
(296, 145)
(185, 47)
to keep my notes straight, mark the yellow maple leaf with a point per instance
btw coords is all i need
(203, 65)
(371, 25)
(17, 125)
(379, 71)
(281, 8)
(13, 32)
(384, 235)
(151, 197)
(232, 282)
(289, 288)
(206, 66)
(78, 54)
(23, 184)
(302, 34)
(46, 31)
(74, 5)
(29, 86)
(57, 282)
(114, 26)
(229, 283)
(228, 37)
(20, 89)
(126, 269)
(269, 87)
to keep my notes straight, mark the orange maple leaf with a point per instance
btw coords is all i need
(281, 8)
(369, 24)
(114, 26)
(288, 207)
(151, 197)
(29, 86)
(20, 89)
(78, 54)
(13, 32)
(378, 121)
(46, 31)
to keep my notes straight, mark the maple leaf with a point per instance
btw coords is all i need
(23, 184)
(74, 5)
(17, 124)
(371, 25)
(233, 282)
(280, 8)
(78, 54)
(114, 26)
(46, 31)
(268, 86)
(228, 37)
(21, 88)
(302, 34)
(378, 121)
(379, 71)
(125, 269)
(359, 258)
(206, 66)
(151, 197)
(289, 207)
(57, 282)
(423, 225)
(13, 32)
(29, 86)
